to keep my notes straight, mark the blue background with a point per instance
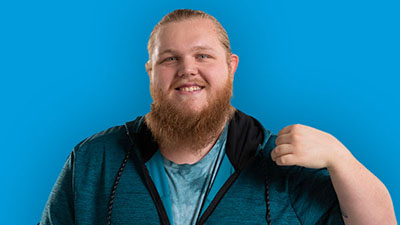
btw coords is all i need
(70, 69)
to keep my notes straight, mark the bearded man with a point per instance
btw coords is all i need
(194, 159)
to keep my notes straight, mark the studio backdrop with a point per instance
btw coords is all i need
(70, 69)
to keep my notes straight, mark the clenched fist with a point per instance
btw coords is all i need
(308, 147)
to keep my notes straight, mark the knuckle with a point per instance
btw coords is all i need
(283, 160)
(296, 126)
(296, 148)
(277, 140)
(296, 137)
(277, 149)
(272, 154)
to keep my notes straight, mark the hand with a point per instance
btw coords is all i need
(307, 147)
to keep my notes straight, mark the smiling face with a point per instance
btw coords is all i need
(189, 64)
(191, 84)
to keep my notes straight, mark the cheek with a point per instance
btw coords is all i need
(162, 79)
(216, 76)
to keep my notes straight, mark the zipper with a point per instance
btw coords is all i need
(218, 197)
(156, 197)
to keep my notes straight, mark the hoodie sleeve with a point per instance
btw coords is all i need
(313, 197)
(59, 208)
(311, 193)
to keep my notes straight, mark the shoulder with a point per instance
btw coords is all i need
(103, 146)
(292, 176)
(99, 154)
(104, 136)
(309, 192)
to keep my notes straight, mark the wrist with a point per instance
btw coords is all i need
(339, 160)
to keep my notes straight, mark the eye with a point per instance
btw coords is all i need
(203, 56)
(170, 59)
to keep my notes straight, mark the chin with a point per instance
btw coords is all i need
(190, 105)
(194, 110)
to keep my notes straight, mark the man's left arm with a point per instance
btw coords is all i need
(363, 198)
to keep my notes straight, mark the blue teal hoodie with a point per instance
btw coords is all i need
(248, 182)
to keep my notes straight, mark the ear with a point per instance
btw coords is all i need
(234, 61)
(148, 68)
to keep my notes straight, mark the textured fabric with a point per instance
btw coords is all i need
(190, 183)
(156, 169)
(82, 191)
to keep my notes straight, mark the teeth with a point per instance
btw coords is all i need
(190, 89)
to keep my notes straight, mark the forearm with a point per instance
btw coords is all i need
(363, 198)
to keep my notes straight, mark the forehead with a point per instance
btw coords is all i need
(187, 34)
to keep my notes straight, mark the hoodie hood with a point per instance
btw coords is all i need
(246, 137)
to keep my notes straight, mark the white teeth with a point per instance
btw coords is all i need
(190, 89)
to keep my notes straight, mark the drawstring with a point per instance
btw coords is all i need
(114, 188)
(268, 215)
(121, 169)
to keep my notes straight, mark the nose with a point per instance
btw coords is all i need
(187, 67)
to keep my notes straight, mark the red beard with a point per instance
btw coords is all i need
(173, 125)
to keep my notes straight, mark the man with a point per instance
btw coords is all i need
(194, 159)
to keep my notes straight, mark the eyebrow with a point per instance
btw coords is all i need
(202, 48)
(195, 48)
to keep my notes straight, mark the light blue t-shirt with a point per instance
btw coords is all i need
(189, 184)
